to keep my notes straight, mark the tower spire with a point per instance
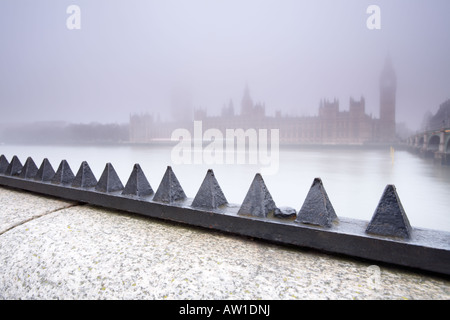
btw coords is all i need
(247, 103)
(388, 87)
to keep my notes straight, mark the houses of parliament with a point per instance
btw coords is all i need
(331, 125)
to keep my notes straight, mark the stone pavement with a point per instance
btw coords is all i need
(54, 249)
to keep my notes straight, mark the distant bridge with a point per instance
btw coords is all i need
(433, 144)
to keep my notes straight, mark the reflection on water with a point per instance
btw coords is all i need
(354, 179)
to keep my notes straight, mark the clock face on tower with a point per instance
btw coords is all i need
(388, 83)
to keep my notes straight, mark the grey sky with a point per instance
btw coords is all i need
(135, 56)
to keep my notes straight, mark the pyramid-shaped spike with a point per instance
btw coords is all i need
(209, 196)
(317, 208)
(169, 189)
(29, 169)
(109, 181)
(390, 218)
(84, 178)
(258, 202)
(63, 175)
(45, 172)
(137, 184)
(3, 164)
(14, 167)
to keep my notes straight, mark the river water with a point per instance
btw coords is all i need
(353, 178)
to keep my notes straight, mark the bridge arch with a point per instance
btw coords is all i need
(421, 141)
(433, 143)
(447, 145)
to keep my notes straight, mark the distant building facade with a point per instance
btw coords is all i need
(439, 120)
(330, 126)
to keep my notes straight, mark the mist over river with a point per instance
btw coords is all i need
(354, 178)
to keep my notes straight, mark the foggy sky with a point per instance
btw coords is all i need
(146, 56)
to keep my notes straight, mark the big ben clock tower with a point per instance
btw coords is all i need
(388, 87)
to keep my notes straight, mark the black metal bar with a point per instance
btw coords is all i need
(417, 248)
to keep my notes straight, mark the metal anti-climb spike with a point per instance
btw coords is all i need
(45, 172)
(169, 189)
(317, 208)
(137, 184)
(14, 167)
(3, 164)
(429, 251)
(63, 175)
(84, 178)
(258, 202)
(210, 195)
(390, 218)
(29, 169)
(109, 181)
